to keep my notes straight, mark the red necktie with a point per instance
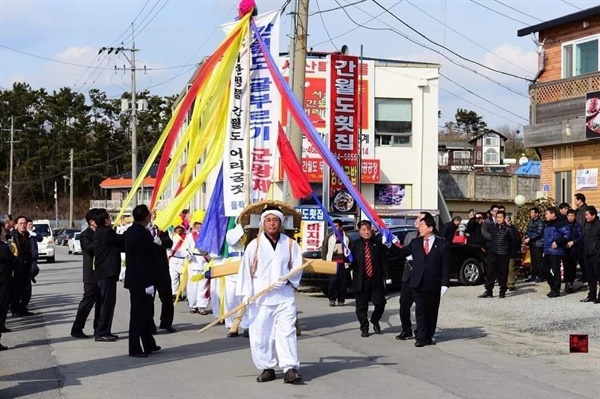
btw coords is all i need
(368, 260)
(426, 246)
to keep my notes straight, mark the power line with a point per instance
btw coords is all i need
(358, 26)
(572, 5)
(325, 26)
(391, 29)
(467, 37)
(483, 98)
(519, 11)
(446, 48)
(152, 19)
(336, 8)
(498, 12)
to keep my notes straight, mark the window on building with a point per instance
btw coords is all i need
(393, 121)
(580, 57)
(491, 141)
(462, 155)
(491, 157)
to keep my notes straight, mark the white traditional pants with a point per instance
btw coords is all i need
(232, 300)
(175, 269)
(272, 331)
(217, 293)
(196, 291)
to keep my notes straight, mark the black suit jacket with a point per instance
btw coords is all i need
(380, 267)
(429, 272)
(140, 258)
(108, 246)
(86, 239)
(8, 263)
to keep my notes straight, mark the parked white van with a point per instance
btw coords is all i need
(46, 246)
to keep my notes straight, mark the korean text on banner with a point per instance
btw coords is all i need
(343, 121)
(255, 110)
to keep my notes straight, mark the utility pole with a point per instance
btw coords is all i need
(297, 77)
(56, 202)
(133, 122)
(71, 192)
(10, 173)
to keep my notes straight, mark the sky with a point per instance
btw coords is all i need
(173, 35)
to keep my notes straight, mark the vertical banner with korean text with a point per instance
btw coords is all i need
(313, 228)
(255, 109)
(342, 123)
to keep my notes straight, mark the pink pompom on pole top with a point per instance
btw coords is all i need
(247, 6)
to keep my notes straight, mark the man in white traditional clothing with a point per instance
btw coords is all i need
(236, 251)
(178, 254)
(271, 317)
(197, 296)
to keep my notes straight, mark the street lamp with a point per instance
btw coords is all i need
(520, 200)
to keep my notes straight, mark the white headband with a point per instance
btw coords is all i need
(275, 212)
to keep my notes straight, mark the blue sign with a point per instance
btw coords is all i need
(311, 214)
(547, 187)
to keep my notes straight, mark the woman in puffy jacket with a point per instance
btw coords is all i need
(556, 236)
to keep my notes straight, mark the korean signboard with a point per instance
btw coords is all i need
(586, 179)
(313, 227)
(313, 169)
(342, 124)
(592, 115)
(393, 196)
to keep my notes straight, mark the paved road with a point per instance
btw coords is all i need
(45, 362)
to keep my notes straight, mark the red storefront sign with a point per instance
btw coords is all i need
(343, 127)
(313, 168)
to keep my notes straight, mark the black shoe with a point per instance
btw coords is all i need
(266, 376)
(107, 338)
(597, 300)
(79, 334)
(3, 348)
(553, 294)
(403, 336)
(114, 336)
(140, 354)
(587, 299)
(331, 303)
(376, 327)
(233, 334)
(502, 295)
(246, 333)
(5, 330)
(486, 294)
(292, 376)
(168, 329)
(155, 349)
(420, 344)
(364, 334)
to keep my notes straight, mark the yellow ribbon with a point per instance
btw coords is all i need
(182, 280)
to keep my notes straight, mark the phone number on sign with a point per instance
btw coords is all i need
(347, 157)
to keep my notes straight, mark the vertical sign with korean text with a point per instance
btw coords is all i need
(255, 108)
(342, 123)
(313, 228)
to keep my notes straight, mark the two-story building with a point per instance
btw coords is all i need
(568, 73)
(483, 151)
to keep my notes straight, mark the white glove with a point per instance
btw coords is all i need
(150, 290)
(388, 281)
(395, 240)
(384, 239)
(157, 240)
(443, 290)
(280, 284)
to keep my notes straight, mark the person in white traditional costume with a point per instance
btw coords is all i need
(196, 290)
(178, 254)
(272, 316)
(236, 250)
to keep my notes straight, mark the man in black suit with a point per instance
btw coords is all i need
(163, 283)
(370, 271)
(429, 278)
(91, 292)
(108, 246)
(8, 263)
(140, 279)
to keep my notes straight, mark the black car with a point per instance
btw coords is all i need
(467, 262)
(63, 237)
